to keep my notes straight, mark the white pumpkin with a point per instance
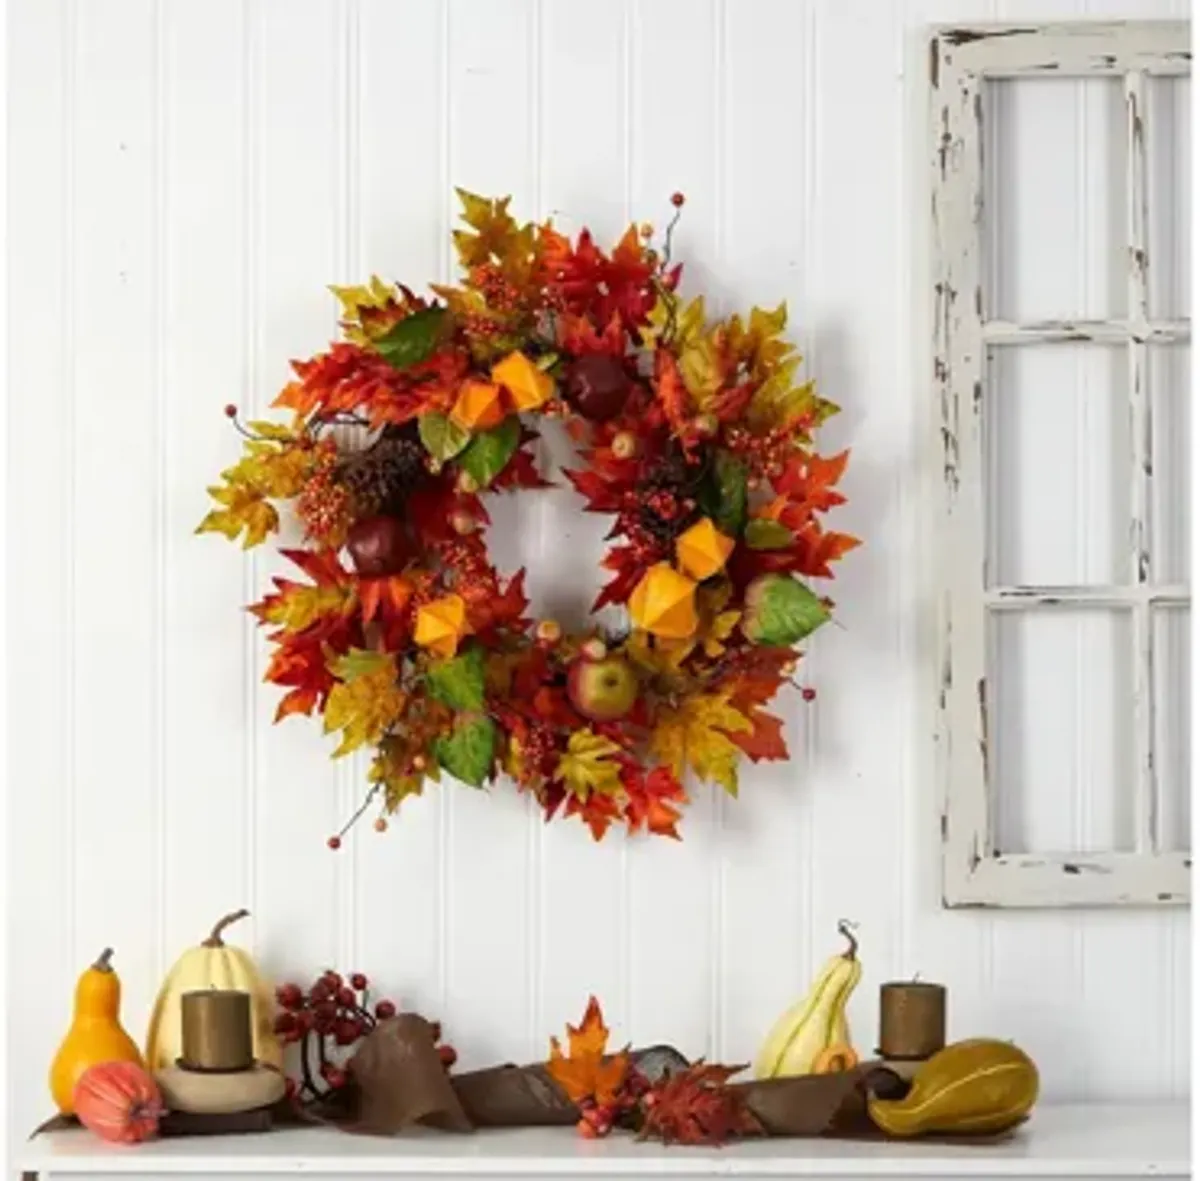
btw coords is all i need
(213, 964)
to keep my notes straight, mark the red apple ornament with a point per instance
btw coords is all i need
(597, 386)
(602, 686)
(377, 546)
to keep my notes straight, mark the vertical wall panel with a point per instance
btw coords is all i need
(675, 913)
(487, 872)
(402, 228)
(763, 250)
(184, 181)
(294, 211)
(41, 68)
(857, 120)
(116, 539)
(584, 179)
(206, 680)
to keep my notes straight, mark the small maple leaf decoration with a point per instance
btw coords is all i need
(695, 1106)
(585, 1073)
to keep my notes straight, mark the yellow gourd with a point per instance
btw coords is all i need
(95, 1035)
(976, 1086)
(213, 964)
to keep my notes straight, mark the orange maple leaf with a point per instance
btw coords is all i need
(584, 1073)
(670, 390)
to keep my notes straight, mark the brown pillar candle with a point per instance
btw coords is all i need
(216, 1030)
(912, 1019)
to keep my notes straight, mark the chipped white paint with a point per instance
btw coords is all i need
(975, 871)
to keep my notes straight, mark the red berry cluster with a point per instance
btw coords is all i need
(597, 1119)
(327, 1019)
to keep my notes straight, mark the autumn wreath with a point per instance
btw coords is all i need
(695, 437)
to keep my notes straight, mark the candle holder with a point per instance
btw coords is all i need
(215, 1074)
(912, 1020)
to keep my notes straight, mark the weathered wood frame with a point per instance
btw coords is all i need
(975, 872)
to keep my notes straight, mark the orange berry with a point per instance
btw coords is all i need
(677, 199)
(380, 824)
(334, 842)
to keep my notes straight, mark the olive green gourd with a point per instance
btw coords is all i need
(978, 1086)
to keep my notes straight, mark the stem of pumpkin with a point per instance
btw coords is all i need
(844, 928)
(214, 939)
(102, 960)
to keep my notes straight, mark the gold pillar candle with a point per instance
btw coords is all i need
(216, 1030)
(912, 1019)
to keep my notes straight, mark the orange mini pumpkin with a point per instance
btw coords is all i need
(118, 1101)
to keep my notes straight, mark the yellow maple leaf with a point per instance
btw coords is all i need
(589, 766)
(392, 770)
(299, 606)
(758, 344)
(242, 508)
(696, 733)
(365, 702)
(376, 295)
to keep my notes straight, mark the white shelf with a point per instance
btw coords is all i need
(1127, 1140)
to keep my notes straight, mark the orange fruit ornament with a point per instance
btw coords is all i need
(441, 624)
(664, 603)
(528, 387)
(478, 407)
(703, 550)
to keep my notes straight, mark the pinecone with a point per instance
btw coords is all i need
(381, 478)
(666, 495)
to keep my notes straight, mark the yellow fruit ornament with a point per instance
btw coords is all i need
(96, 1035)
(664, 603)
(702, 550)
(213, 964)
(528, 387)
(441, 624)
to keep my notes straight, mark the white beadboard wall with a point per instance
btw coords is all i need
(185, 178)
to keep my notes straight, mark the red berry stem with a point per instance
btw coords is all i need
(335, 841)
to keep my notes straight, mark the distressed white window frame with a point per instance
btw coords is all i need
(975, 873)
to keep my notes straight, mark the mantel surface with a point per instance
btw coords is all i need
(1125, 1140)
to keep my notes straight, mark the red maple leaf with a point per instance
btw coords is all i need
(765, 741)
(597, 811)
(697, 1106)
(650, 800)
(807, 480)
(629, 568)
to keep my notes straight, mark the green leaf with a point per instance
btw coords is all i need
(458, 682)
(358, 662)
(413, 339)
(780, 610)
(488, 453)
(467, 751)
(763, 533)
(442, 436)
(723, 494)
